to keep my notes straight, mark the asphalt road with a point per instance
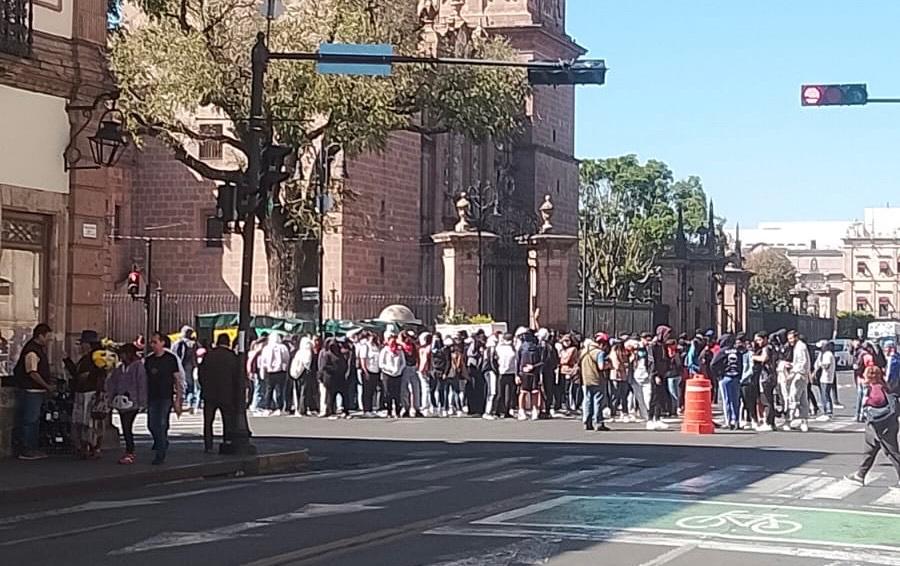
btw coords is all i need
(470, 492)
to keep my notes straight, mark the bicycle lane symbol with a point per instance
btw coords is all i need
(759, 523)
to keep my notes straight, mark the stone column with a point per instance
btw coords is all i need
(460, 259)
(548, 276)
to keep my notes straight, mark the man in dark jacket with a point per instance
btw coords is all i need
(221, 385)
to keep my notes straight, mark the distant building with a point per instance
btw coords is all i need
(851, 264)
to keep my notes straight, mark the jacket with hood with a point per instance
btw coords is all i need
(185, 348)
(729, 360)
(506, 358)
(529, 354)
(659, 362)
(332, 364)
(275, 356)
(302, 361)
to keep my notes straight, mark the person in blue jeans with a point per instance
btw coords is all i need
(594, 380)
(164, 391)
(31, 378)
(727, 366)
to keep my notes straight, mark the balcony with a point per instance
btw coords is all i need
(16, 27)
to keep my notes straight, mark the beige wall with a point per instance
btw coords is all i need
(53, 17)
(35, 133)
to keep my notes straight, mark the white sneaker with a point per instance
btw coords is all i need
(786, 427)
(823, 418)
(522, 416)
(743, 425)
(838, 406)
(660, 425)
(606, 413)
(333, 418)
(764, 428)
(630, 419)
(443, 413)
(276, 413)
(651, 425)
(488, 417)
(795, 423)
(535, 414)
(804, 427)
(553, 413)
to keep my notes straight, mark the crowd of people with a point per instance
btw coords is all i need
(763, 382)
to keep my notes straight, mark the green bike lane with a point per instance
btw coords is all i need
(719, 524)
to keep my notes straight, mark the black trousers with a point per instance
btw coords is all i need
(553, 392)
(392, 387)
(332, 390)
(767, 397)
(275, 390)
(659, 394)
(309, 393)
(292, 386)
(749, 399)
(370, 387)
(881, 436)
(813, 402)
(209, 416)
(127, 418)
(505, 401)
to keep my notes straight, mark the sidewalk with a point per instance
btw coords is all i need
(60, 476)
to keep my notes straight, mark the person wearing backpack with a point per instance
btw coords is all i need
(529, 364)
(880, 412)
(727, 367)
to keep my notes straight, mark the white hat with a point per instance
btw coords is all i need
(542, 334)
(520, 331)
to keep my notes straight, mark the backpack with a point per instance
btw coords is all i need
(532, 355)
(878, 415)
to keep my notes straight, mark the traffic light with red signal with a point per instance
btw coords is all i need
(834, 95)
(134, 283)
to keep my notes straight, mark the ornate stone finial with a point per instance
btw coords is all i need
(462, 210)
(428, 11)
(546, 211)
(457, 6)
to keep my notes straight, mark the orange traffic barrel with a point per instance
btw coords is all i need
(698, 406)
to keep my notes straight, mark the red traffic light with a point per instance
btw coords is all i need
(833, 95)
(134, 282)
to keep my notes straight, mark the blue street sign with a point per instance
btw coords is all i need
(355, 68)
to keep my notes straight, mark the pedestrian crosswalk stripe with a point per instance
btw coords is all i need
(452, 463)
(508, 475)
(889, 499)
(840, 489)
(805, 487)
(467, 469)
(580, 477)
(647, 474)
(626, 461)
(714, 478)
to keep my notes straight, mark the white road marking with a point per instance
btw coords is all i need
(714, 478)
(647, 474)
(453, 462)
(669, 556)
(62, 534)
(626, 461)
(889, 499)
(564, 461)
(508, 475)
(369, 472)
(228, 532)
(104, 505)
(841, 488)
(587, 476)
(650, 539)
(455, 470)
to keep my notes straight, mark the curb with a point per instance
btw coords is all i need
(260, 464)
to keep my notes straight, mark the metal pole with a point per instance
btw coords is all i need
(480, 267)
(333, 302)
(148, 271)
(320, 203)
(259, 55)
(584, 280)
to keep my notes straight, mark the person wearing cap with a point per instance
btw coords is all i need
(594, 377)
(88, 381)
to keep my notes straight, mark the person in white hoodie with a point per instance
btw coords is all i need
(392, 363)
(797, 381)
(301, 366)
(275, 360)
(505, 401)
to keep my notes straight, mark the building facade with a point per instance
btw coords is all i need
(53, 217)
(381, 243)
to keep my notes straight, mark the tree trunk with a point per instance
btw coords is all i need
(285, 259)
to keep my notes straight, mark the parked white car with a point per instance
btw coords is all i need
(842, 353)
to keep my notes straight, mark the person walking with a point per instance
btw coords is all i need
(826, 366)
(127, 391)
(221, 385)
(880, 409)
(594, 377)
(88, 381)
(185, 349)
(392, 363)
(32, 382)
(274, 362)
(165, 389)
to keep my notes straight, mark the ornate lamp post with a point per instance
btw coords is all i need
(476, 205)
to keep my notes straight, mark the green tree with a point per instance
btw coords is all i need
(173, 57)
(773, 277)
(628, 213)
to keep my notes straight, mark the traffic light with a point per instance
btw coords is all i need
(134, 282)
(226, 203)
(578, 73)
(834, 95)
(278, 162)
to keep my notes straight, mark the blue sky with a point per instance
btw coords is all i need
(713, 89)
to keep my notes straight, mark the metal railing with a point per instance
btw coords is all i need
(16, 19)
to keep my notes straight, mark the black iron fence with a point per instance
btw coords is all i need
(811, 327)
(126, 318)
(613, 317)
(16, 26)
